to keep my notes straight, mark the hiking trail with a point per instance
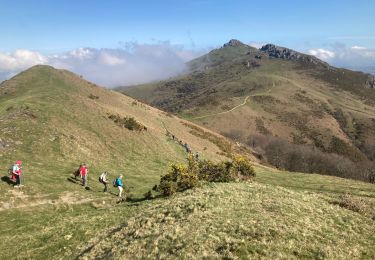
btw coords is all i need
(236, 107)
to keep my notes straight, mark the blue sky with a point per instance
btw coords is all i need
(57, 26)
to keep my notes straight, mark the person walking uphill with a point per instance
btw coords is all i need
(118, 183)
(16, 173)
(103, 179)
(83, 171)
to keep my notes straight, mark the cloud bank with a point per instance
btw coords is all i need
(354, 57)
(135, 63)
(131, 64)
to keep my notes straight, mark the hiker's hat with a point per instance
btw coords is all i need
(19, 162)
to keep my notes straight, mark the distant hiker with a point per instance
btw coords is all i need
(103, 179)
(173, 137)
(16, 173)
(196, 156)
(187, 148)
(118, 183)
(83, 171)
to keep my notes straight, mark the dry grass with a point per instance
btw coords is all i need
(243, 220)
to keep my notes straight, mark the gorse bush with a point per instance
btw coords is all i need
(179, 178)
(127, 122)
(242, 168)
(186, 176)
(215, 172)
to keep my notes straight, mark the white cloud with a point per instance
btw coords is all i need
(20, 59)
(322, 54)
(109, 59)
(355, 47)
(133, 64)
(257, 45)
(354, 57)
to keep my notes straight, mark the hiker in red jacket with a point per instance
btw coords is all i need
(83, 171)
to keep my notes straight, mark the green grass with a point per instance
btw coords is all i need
(241, 220)
(54, 125)
(280, 215)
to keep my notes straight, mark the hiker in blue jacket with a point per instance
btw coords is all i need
(119, 185)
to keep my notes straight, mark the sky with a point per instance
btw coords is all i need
(129, 42)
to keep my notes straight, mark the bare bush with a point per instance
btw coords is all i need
(309, 159)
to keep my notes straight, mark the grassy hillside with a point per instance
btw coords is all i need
(253, 93)
(53, 120)
(249, 220)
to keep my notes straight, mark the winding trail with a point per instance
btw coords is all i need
(224, 112)
(238, 106)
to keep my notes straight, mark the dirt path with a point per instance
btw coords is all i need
(238, 106)
(17, 200)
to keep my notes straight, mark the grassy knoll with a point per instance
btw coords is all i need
(242, 220)
(281, 214)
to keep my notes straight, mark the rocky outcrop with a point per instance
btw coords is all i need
(233, 43)
(288, 54)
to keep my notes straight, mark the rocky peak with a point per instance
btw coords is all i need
(233, 43)
(288, 54)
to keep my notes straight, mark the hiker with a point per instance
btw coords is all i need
(83, 171)
(103, 179)
(118, 183)
(16, 173)
(196, 156)
(188, 150)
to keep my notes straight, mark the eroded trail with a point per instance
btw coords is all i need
(236, 107)
(17, 200)
(225, 112)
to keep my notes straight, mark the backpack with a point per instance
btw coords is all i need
(115, 183)
(100, 179)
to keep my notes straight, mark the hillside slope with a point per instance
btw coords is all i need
(244, 93)
(240, 220)
(53, 120)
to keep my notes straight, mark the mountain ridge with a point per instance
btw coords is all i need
(282, 93)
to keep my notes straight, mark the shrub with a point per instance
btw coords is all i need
(127, 122)
(186, 176)
(215, 172)
(242, 168)
(91, 96)
(180, 177)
